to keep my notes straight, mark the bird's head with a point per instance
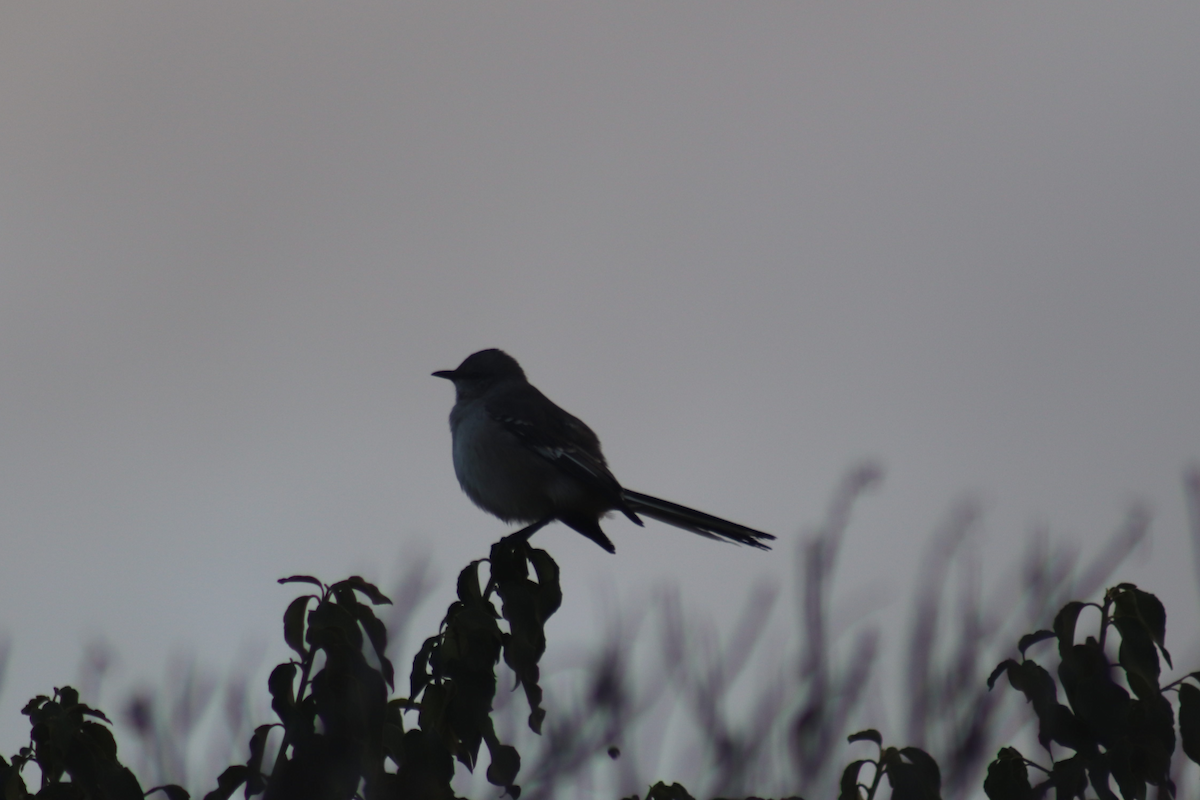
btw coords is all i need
(482, 370)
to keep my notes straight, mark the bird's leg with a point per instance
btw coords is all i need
(525, 533)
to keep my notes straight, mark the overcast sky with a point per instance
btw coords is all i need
(749, 244)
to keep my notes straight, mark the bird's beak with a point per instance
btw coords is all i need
(448, 374)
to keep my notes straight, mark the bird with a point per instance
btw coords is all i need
(521, 458)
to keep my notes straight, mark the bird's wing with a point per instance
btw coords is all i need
(555, 435)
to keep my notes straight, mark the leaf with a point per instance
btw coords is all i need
(293, 624)
(506, 763)
(1098, 774)
(849, 782)
(1097, 701)
(549, 589)
(1008, 777)
(14, 784)
(1030, 639)
(676, 791)
(1136, 609)
(93, 712)
(1151, 732)
(1154, 617)
(1064, 625)
(1138, 657)
(869, 735)
(420, 670)
(359, 585)
(377, 634)
(283, 691)
(102, 741)
(172, 792)
(919, 779)
(524, 646)
(432, 716)
(1032, 680)
(332, 625)
(302, 579)
(228, 782)
(1070, 779)
(254, 777)
(1189, 720)
(393, 742)
(998, 671)
(468, 584)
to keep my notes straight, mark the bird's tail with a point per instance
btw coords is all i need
(695, 521)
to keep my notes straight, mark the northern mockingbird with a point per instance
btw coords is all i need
(523, 459)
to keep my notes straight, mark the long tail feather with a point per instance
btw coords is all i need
(695, 521)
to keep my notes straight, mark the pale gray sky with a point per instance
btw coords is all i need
(750, 244)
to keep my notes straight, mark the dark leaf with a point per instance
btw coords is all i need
(1058, 723)
(468, 584)
(1151, 732)
(432, 716)
(172, 792)
(1032, 680)
(849, 782)
(869, 735)
(281, 685)
(332, 625)
(660, 791)
(94, 712)
(254, 778)
(920, 778)
(1100, 705)
(999, 670)
(377, 634)
(1138, 657)
(506, 763)
(1069, 777)
(1064, 625)
(228, 782)
(1007, 777)
(1154, 617)
(293, 624)
(1098, 772)
(359, 585)
(549, 590)
(524, 647)
(393, 742)
(102, 741)
(118, 783)
(1189, 720)
(1141, 611)
(420, 670)
(14, 784)
(1030, 639)
(34, 704)
(303, 579)
(427, 768)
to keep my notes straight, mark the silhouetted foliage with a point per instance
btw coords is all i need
(338, 734)
(1119, 734)
(67, 738)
